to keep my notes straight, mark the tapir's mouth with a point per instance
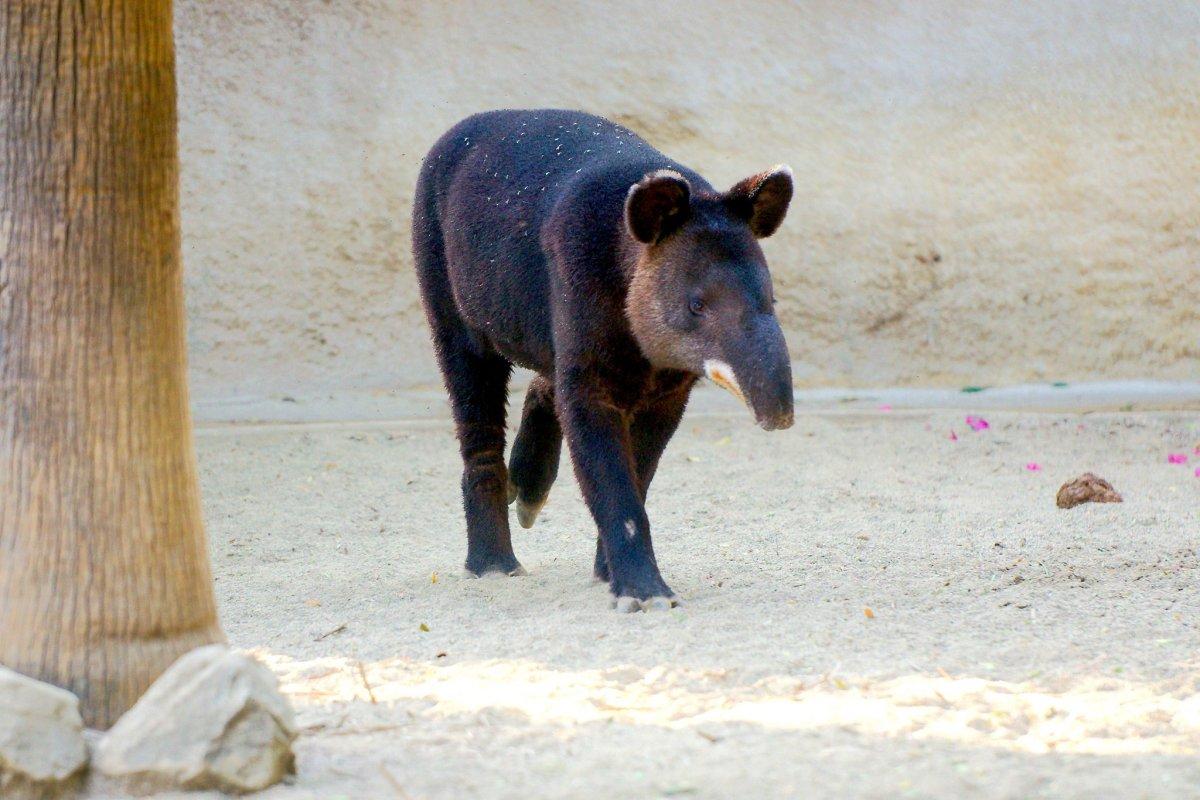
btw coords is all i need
(722, 375)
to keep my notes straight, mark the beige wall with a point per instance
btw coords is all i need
(988, 192)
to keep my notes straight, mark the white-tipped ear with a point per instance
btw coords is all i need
(657, 205)
(762, 200)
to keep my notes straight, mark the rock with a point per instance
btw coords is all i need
(42, 751)
(1087, 488)
(214, 720)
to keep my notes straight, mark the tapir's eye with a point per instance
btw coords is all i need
(696, 306)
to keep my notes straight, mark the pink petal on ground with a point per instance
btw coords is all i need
(1198, 472)
(1033, 466)
(885, 407)
(977, 423)
(1177, 458)
(953, 436)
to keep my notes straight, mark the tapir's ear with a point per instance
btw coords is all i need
(762, 200)
(657, 205)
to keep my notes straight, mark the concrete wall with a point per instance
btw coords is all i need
(987, 191)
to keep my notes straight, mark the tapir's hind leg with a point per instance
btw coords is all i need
(478, 387)
(533, 464)
(477, 382)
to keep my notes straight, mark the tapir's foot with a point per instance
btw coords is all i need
(647, 593)
(627, 605)
(494, 564)
(527, 510)
(527, 513)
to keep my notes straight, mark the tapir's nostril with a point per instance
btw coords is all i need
(780, 422)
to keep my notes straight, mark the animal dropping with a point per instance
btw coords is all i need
(1087, 488)
(621, 281)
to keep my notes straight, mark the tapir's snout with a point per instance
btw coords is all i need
(780, 422)
(758, 371)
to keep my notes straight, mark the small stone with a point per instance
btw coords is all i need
(1087, 488)
(42, 751)
(214, 720)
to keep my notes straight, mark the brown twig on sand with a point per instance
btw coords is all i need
(362, 673)
(329, 633)
(366, 730)
(391, 779)
(320, 727)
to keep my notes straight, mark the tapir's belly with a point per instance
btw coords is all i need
(503, 297)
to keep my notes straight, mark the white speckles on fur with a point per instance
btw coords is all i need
(630, 528)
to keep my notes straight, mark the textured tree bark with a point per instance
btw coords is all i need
(104, 574)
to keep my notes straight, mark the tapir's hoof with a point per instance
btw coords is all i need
(527, 513)
(628, 605)
(497, 566)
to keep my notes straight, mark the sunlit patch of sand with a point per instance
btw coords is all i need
(1096, 715)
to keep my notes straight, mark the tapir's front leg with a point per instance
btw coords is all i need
(598, 438)
(652, 427)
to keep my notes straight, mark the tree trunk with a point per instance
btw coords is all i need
(104, 574)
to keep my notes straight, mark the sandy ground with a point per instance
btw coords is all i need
(872, 610)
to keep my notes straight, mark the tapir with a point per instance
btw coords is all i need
(564, 243)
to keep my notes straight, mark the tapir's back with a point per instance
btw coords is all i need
(492, 183)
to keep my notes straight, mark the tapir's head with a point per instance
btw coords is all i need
(700, 298)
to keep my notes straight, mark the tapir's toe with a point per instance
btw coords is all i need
(641, 590)
(628, 605)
